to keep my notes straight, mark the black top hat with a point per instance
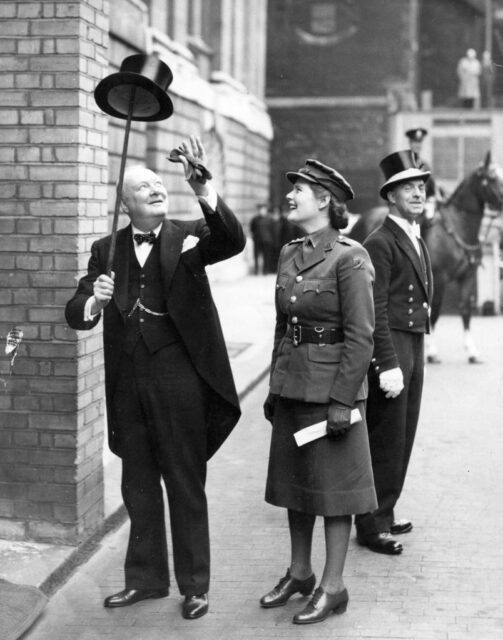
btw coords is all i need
(401, 166)
(416, 134)
(150, 78)
(326, 177)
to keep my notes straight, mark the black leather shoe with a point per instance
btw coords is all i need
(381, 543)
(400, 526)
(130, 596)
(285, 588)
(195, 606)
(321, 606)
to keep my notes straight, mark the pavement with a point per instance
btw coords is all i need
(447, 584)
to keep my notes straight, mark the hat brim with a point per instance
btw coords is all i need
(293, 176)
(402, 176)
(151, 103)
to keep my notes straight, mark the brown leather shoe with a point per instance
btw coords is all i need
(195, 606)
(285, 588)
(380, 543)
(127, 597)
(400, 526)
(322, 604)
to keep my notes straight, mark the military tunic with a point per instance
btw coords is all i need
(324, 285)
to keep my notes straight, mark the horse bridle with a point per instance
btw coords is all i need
(473, 251)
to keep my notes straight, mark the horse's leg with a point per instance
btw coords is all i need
(468, 288)
(436, 304)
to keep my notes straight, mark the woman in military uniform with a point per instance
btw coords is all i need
(322, 350)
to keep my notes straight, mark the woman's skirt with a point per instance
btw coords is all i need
(323, 477)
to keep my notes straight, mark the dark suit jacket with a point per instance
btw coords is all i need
(188, 299)
(333, 289)
(402, 291)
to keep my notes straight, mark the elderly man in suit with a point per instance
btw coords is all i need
(402, 295)
(171, 399)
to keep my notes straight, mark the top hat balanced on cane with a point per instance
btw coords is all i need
(137, 92)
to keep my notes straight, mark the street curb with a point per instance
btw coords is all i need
(86, 549)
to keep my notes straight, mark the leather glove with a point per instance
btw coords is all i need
(193, 160)
(269, 406)
(391, 382)
(339, 420)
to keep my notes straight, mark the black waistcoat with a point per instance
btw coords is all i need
(145, 285)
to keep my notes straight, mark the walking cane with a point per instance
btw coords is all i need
(118, 197)
(136, 92)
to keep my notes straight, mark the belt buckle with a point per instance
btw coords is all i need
(296, 335)
(320, 331)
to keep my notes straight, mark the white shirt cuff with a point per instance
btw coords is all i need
(88, 316)
(212, 198)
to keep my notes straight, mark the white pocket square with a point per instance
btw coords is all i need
(189, 243)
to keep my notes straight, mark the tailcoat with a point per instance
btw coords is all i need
(170, 395)
(188, 299)
(402, 295)
(330, 286)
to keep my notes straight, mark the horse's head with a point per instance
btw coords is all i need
(490, 176)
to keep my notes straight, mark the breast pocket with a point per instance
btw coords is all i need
(326, 287)
(281, 282)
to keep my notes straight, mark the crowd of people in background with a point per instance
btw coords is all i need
(270, 230)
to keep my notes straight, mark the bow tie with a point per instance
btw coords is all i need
(144, 237)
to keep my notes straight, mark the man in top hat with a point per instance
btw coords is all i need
(416, 137)
(402, 295)
(171, 399)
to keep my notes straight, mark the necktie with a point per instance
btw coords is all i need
(144, 237)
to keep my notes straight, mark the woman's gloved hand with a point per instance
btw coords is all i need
(339, 420)
(269, 406)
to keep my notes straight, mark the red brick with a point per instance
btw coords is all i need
(67, 10)
(29, 46)
(15, 28)
(32, 116)
(7, 10)
(29, 10)
(54, 28)
(57, 493)
(28, 226)
(26, 403)
(13, 136)
(26, 438)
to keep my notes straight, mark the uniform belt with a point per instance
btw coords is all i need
(139, 305)
(314, 335)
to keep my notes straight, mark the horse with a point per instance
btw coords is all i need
(452, 239)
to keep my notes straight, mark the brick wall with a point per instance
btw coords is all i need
(52, 205)
(59, 161)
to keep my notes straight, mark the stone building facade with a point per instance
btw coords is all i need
(339, 70)
(59, 160)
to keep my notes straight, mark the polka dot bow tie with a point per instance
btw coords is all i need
(144, 237)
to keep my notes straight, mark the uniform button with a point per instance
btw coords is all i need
(142, 286)
(142, 319)
(295, 320)
(411, 324)
(411, 300)
(377, 367)
(373, 360)
(293, 298)
(410, 312)
(298, 279)
(411, 287)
